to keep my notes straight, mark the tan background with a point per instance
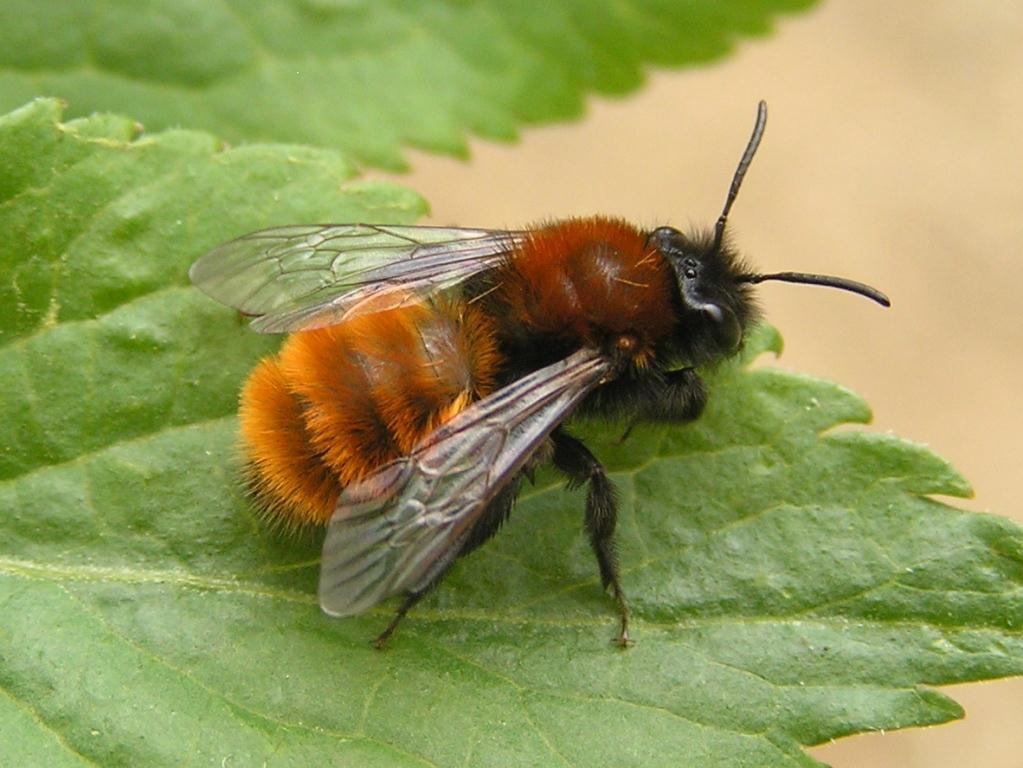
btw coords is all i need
(893, 154)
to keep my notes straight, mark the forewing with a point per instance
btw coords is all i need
(301, 277)
(398, 529)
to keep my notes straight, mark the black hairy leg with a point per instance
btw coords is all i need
(490, 521)
(665, 396)
(493, 517)
(573, 458)
(674, 397)
(410, 600)
(679, 396)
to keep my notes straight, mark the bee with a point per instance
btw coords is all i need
(430, 370)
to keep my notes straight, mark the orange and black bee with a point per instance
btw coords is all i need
(431, 368)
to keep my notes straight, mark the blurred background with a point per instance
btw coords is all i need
(893, 155)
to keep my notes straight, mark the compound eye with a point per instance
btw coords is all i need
(727, 330)
(668, 240)
(663, 234)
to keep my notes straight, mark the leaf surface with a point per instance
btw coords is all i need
(363, 76)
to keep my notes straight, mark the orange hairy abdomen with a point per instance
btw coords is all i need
(337, 403)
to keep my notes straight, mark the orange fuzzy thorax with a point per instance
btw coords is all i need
(338, 402)
(587, 279)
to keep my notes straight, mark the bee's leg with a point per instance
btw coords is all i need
(413, 596)
(674, 397)
(490, 521)
(677, 397)
(410, 599)
(493, 517)
(575, 460)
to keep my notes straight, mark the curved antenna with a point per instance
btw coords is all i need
(740, 171)
(808, 278)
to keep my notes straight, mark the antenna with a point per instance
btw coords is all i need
(841, 283)
(740, 171)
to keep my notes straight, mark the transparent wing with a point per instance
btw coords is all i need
(396, 530)
(301, 277)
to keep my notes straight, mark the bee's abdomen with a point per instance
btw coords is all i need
(337, 403)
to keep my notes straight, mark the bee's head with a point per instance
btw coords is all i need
(717, 304)
(715, 287)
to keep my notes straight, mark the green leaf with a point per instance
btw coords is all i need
(363, 76)
(792, 581)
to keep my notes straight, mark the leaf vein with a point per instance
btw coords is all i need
(37, 718)
(100, 450)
